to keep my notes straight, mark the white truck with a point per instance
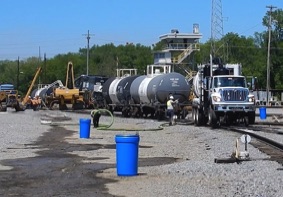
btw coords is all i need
(221, 96)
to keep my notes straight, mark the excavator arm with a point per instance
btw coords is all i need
(31, 86)
(70, 79)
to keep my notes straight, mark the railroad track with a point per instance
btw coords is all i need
(266, 145)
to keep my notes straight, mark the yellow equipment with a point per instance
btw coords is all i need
(67, 94)
(3, 101)
(8, 97)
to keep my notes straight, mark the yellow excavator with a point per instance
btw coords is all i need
(67, 94)
(9, 97)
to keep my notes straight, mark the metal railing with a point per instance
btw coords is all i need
(192, 47)
(178, 46)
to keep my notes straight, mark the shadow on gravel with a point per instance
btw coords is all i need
(56, 172)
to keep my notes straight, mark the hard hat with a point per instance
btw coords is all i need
(171, 97)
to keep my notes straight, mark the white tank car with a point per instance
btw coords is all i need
(143, 90)
(113, 90)
(196, 84)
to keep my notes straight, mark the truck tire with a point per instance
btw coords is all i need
(246, 121)
(212, 119)
(251, 117)
(198, 117)
(194, 114)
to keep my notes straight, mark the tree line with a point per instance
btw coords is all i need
(251, 52)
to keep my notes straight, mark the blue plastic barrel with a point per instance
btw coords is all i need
(127, 150)
(262, 113)
(84, 128)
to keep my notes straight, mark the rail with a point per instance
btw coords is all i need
(270, 147)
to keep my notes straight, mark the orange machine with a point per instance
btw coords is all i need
(35, 103)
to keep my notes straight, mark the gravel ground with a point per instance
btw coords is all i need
(175, 161)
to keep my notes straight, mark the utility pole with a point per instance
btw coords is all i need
(18, 73)
(268, 54)
(87, 55)
(45, 68)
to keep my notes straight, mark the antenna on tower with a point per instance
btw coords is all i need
(216, 28)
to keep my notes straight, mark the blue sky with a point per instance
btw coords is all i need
(32, 27)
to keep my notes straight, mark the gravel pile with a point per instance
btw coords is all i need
(175, 161)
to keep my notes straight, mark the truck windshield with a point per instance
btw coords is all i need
(229, 82)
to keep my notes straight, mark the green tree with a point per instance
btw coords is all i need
(276, 52)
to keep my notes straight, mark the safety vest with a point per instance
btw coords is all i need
(169, 104)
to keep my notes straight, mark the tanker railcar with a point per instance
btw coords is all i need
(140, 96)
(116, 92)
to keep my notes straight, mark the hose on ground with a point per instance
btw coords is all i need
(108, 126)
(103, 111)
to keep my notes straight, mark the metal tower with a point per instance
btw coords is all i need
(216, 28)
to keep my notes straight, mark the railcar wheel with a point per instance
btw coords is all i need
(160, 115)
(184, 113)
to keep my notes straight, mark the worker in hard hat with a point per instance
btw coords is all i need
(170, 109)
(95, 114)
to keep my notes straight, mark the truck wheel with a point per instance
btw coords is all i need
(212, 119)
(251, 117)
(198, 118)
(193, 114)
(246, 121)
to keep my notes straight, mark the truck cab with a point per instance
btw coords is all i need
(222, 96)
(230, 98)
